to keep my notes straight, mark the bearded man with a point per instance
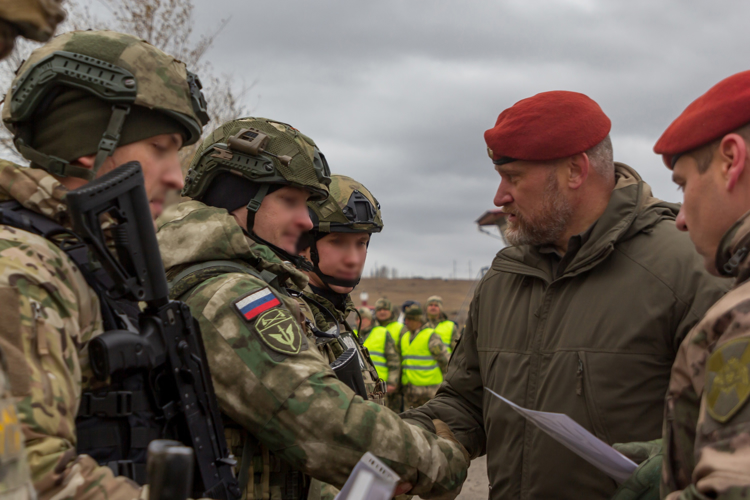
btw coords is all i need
(583, 314)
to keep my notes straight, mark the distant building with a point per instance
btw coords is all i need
(494, 217)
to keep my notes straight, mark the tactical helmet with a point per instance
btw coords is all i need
(266, 153)
(349, 208)
(120, 69)
(32, 19)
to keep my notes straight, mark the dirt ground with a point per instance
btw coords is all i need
(455, 293)
(476, 486)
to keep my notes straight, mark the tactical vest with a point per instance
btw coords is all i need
(445, 330)
(115, 423)
(375, 344)
(418, 366)
(261, 474)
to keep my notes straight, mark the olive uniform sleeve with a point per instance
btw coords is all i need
(458, 402)
(392, 360)
(439, 352)
(48, 315)
(272, 383)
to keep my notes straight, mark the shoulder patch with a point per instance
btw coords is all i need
(256, 303)
(278, 329)
(728, 379)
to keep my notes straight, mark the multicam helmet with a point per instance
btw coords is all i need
(266, 153)
(120, 69)
(263, 151)
(349, 208)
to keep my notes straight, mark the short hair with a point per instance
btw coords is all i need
(703, 155)
(602, 160)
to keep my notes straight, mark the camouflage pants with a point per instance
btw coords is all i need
(415, 396)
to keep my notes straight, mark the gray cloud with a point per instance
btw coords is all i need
(398, 94)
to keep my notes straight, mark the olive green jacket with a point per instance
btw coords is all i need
(592, 335)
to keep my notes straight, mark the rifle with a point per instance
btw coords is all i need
(168, 346)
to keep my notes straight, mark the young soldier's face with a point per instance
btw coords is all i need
(341, 255)
(433, 308)
(383, 314)
(159, 160)
(283, 217)
(703, 211)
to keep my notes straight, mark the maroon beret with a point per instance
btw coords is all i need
(724, 108)
(547, 126)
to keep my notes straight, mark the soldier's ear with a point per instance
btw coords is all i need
(733, 157)
(578, 170)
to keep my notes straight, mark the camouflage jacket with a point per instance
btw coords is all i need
(707, 421)
(271, 385)
(15, 478)
(49, 314)
(333, 348)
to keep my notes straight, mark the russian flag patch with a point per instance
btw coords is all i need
(256, 303)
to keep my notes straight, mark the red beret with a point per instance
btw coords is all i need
(547, 126)
(724, 108)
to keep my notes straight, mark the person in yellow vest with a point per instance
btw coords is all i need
(365, 323)
(424, 359)
(382, 346)
(438, 320)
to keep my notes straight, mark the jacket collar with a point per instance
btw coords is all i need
(631, 210)
(733, 254)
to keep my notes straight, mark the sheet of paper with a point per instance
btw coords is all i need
(573, 436)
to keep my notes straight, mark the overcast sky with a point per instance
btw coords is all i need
(398, 94)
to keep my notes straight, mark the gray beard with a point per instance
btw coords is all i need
(547, 225)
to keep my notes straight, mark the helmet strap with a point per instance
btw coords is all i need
(325, 278)
(111, 136)
(252, 209)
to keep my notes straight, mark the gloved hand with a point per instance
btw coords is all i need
(644, 483)
(443, 431)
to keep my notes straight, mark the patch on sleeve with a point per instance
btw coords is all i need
(279, 330)
(728, 379)
(256, 303)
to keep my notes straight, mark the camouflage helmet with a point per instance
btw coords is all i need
(120, 69)
(349, 208)
(32, 19)
(263, 151)
(383, 303)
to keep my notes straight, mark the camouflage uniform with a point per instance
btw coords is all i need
(286, 413)
(49, 312)
(36, 21)
(707, 420)
(32, 19)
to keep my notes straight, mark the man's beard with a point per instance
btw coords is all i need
(546, 225)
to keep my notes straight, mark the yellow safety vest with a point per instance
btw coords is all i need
(375, 344)
(445, 330)
(418, 366)
(395, 328)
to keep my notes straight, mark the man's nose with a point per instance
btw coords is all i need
(502, 196)
(680, 222)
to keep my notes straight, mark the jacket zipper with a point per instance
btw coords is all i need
(42, 348)
(579, 377)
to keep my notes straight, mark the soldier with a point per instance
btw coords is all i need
(36, 21)
(337, 246)
(365, 323)
(229, 253)
(424, 359)
(437, 320)
(383, 340)
(707, 419)
(584, 312)
(79, 106)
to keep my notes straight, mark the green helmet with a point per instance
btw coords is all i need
(349, 208)
(122, 70)
(266, 153)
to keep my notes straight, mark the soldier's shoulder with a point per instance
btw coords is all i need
(727, 319)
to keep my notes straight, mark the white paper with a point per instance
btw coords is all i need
(577, 439)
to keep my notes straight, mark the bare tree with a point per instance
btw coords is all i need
(166, 24)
